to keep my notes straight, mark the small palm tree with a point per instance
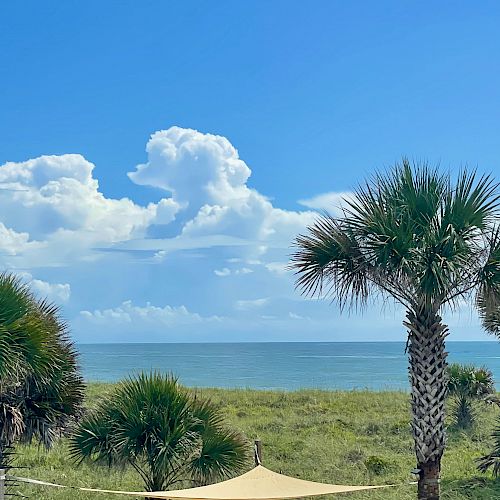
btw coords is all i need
(41, 389)
(419, 238)
(167, 434)
(468, 384)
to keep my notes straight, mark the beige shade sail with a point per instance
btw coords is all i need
(258, 484)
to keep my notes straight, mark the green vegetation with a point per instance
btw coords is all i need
(339, 437)
(426, 241)
(468, 385)
(168, 436)
(40, 385)
(491, 461)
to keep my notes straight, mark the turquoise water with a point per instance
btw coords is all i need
(289, 366)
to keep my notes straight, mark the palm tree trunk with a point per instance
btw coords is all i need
(428, 378)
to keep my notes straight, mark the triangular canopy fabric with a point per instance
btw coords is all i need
(258, 484)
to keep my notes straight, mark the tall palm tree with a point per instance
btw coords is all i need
(167, 434)
(40, 384)
(412, 235)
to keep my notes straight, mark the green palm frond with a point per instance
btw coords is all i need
(492, 459)
(41, 389)
(470, 381)
(164, 431)
(329, 260)
(488, 293)
(223, 453)
(411, 234)
(468, 384)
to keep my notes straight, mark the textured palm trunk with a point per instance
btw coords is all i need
(428, 378)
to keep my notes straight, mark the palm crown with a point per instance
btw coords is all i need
(410, 234)
(167, 434)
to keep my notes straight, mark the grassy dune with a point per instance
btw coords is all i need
(339, 437)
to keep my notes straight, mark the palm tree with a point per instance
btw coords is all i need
(167, 434)
(468, 384)
(41, 389)
(413, 236)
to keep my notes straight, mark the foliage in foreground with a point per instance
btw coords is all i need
(492, 459)
(165, 432)
(41, 389)
(468, 384)
(332, 436)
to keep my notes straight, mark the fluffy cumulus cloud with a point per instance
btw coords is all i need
(53, 212)
(12, 242)
(132, 322)
(129, 313)
(198, 169)
(211, 243)
(55, 292)
(52, 208)
(206, 177)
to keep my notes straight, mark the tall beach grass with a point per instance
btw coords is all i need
(359, 437)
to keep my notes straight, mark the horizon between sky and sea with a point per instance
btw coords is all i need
(275, 365)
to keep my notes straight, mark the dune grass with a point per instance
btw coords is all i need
(340, 437)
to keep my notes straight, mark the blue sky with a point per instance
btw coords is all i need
(253, 114)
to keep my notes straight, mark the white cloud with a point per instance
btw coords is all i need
(292, 315)
(277, 267)
(196, 168)
(332, 202)
(205, 175)
(222, 272)
(165, 212)
(245, 305)
(52, 210)
(129, 313)
(56, 292)
(160, 256)
(53, 213)
(243, 270)
(13, 243)
(237, 272)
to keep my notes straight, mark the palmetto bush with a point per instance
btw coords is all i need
(41, 389)
(468, 384)
(164, 431)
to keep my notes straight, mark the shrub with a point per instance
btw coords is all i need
(164, 431)
(468, 384)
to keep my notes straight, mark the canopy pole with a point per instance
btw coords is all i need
(257, 452)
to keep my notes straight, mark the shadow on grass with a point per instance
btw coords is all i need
(479, 488)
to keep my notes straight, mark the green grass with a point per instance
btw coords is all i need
(338, 437)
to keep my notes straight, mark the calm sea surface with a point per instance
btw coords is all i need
(356, 365)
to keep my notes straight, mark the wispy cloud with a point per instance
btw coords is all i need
(332, 202)
(246, 305)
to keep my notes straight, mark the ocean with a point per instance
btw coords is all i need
(284, 366)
